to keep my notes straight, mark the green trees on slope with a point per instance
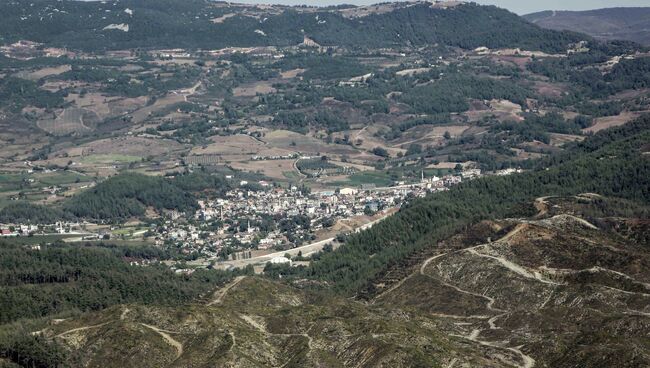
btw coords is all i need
(126, 195)
(609, 163)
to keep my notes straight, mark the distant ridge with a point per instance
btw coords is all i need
(202, 24)
(631, 24)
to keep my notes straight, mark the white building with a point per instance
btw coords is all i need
(280, 260)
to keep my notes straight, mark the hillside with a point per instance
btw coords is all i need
(205, 24)
(523, 293)
(499, 272)
(543, 287)
(632, 24)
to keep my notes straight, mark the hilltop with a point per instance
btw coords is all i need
(632, 24)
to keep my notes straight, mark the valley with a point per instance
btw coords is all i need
(200, 183)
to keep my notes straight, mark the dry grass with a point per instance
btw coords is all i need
(290, 74)
(298, 142)
(72, 120)
(612, 121)
(561, 139)
(231, 145)
(429, 135)
(222, 18)
(274, 169)
(96, 102)
(443, 165)
(46, 72)
(253, 89)
(131, 146)
(549, 89)
(505, 106)
(143, 113)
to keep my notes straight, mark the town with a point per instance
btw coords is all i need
(244, 226)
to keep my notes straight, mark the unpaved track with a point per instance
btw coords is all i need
(81, 329)
(221, 293)
(519, 270)
(261, 328)
(526, 360)
(170, 340)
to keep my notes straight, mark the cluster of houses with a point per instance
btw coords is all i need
(9, 230)
(283, 218)
(27, 50)
(245, 219)
(265, 219)
(270, 217)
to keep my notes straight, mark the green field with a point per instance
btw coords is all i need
(10, 182)
(61, 178)
(14, 182)
(291, 175)
(378, 178)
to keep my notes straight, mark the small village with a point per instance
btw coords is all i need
(244, 223)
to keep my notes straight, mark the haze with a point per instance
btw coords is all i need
(517, 6)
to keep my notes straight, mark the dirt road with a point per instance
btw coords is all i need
(170, 340)
(221, 293)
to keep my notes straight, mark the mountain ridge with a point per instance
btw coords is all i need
(618, 23)
(207, 25)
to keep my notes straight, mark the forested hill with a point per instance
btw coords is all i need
(613, 162)
(632, 24)
(203, 24)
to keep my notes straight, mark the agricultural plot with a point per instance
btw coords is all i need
(429, 134)
(61, 178)
(11, 182)
(612, 121)
(378, 178)
(290, 74)
(96, 102)
(276, 169)
(108, 159)
(558, 140)
(131, 146)
(69, 121)
(37, 239)
(297, 142)
(253, 89)
(240, 144)
(45, 72)
(144, 113)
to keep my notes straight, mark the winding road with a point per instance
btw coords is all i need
(526, 360)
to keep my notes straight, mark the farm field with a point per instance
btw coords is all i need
(277, 169)
(107, 159)
(71, 120)
(612, 121)
(377, 178)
